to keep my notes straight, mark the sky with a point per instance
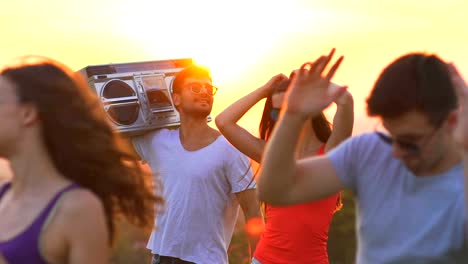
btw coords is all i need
(243, 42)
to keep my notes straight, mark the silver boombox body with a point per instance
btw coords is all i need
(137, 96)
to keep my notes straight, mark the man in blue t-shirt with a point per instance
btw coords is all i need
(408, 180)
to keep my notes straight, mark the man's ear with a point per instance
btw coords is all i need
(452, 119)
(176, 99)
(30, 114)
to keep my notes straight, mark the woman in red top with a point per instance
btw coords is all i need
(299, 233)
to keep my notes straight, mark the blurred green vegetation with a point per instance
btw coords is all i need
(238, 249)
(130, 247)
(342, 235)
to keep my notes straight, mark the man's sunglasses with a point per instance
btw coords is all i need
(410, 147)
(198, 88)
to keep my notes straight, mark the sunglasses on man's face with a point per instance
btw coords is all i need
(410, 147)
(198, 88)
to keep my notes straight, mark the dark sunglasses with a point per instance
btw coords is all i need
(410, 147)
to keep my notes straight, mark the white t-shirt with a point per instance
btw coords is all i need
(199, 189)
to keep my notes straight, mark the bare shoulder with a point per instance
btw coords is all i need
(80, 203)
(84, 211)
(80, 224)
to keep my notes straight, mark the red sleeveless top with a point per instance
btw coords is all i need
(298, 233)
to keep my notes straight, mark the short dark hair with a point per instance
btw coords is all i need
(413, 82)
(190, 71)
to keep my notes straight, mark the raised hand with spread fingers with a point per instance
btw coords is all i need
(309, 92)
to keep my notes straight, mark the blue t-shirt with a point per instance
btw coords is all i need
(402, 218)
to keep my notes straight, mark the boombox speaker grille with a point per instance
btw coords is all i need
(122, 110)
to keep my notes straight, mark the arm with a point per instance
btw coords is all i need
(342, 121)
(87, 236)
(253, 218)
(282, 179)
(461, 129)
(240, 138)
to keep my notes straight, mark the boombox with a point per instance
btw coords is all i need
(137, 96)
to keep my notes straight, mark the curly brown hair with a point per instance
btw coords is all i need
(82, 143)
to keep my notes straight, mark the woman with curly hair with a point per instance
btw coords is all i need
(72, 176)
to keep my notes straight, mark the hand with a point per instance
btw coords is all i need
(308, 93)
(344, 98)
(461, 128)
(270, 86)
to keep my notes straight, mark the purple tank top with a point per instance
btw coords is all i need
(24, 248)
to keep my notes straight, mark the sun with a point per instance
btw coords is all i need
(229, 41)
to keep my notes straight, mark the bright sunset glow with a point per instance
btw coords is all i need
(255, 226)
(244, 42)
